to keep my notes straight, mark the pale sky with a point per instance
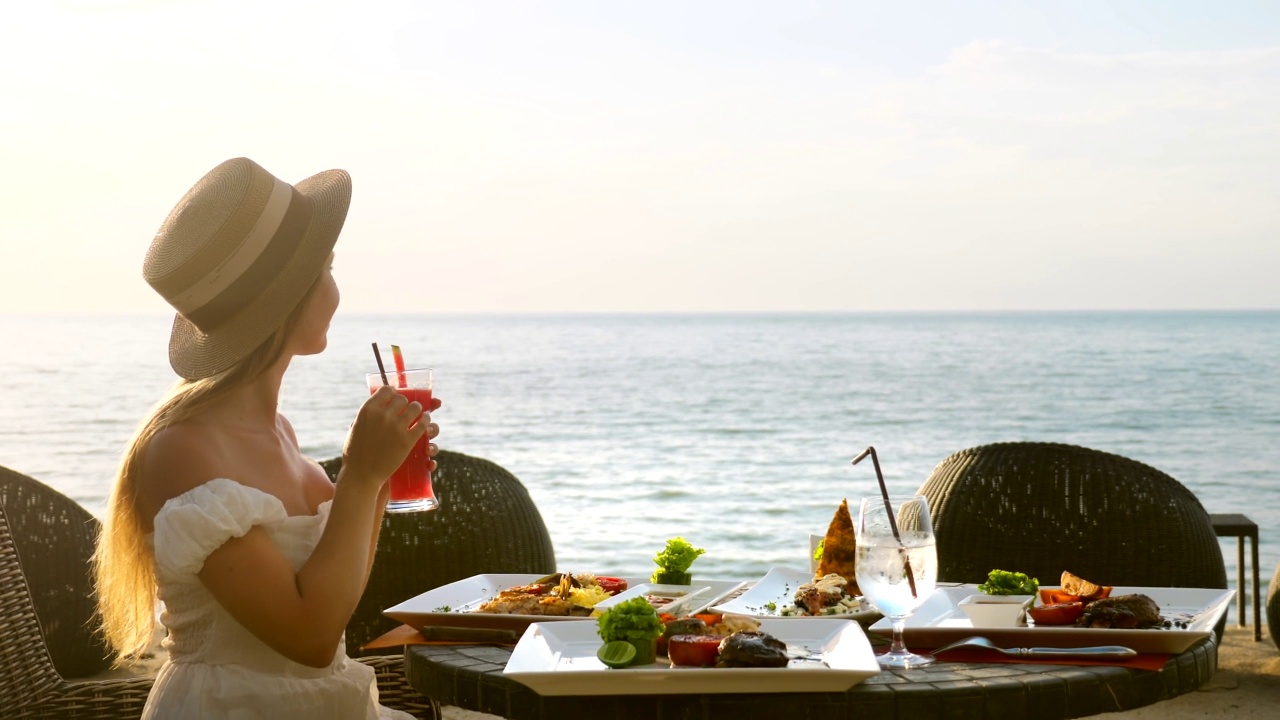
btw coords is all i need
(665, 156)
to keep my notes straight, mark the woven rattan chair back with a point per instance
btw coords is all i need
(54, 537)
(1041, 508)
(486, 523)
(30, 685)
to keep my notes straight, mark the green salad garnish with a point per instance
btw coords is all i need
(632, 620)
(677, 556)
(1003, 582)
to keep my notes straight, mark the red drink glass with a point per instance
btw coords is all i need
(411, 483)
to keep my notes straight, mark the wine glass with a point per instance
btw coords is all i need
(897, 566)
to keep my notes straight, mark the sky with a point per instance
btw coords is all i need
(665, 156)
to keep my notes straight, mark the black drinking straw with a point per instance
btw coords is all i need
(383, 371)
(893, 523)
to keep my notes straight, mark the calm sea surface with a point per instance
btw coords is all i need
(734, 431)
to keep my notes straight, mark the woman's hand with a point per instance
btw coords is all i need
(384, 431)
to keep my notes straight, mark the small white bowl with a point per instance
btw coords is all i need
(995, 610)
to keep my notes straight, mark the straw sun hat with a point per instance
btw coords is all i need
(236, 256)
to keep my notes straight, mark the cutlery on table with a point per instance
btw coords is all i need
(1097, 651)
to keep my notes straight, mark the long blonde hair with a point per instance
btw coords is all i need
(124, 560)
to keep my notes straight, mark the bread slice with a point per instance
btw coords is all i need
(1077, 585)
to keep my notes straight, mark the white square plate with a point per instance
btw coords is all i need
(452, 605)
(686, 599)
(560, 659)
(940, 620)
(778, 587)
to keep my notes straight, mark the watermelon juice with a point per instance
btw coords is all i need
(410, 484)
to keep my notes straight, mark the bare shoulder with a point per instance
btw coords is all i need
(287, 428)
(177, 459)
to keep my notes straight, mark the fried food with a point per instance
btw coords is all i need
(1078, 586)
(840, 549)
(557, 594)
(524, 604)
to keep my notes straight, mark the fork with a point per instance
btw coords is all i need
(1097, 651)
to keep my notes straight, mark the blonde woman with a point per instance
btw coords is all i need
(259, 560)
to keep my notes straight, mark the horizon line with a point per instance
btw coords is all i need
(29, 314)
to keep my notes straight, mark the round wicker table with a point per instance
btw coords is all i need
(470, 676)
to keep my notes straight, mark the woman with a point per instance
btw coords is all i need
(258, 558)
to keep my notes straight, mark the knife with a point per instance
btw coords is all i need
(1099, 651)
(1096, 651)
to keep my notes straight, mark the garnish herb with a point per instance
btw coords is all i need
(1003, 582)
(677, 556)
(632, 620)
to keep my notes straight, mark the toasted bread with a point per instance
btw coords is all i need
(1078, 586)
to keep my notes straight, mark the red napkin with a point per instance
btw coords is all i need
(1141, 661)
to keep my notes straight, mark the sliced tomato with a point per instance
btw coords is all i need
(1055, 596)
(1057, 613)
(694, 650)
(611, 585)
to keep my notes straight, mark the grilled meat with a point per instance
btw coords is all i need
(752, 649)
(1124, 612)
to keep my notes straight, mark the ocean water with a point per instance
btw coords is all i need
(734, 431)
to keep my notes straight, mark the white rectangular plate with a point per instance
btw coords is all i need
(450, 605)
(939, 621)
(560, 659)
(688, 599)
(779, 586)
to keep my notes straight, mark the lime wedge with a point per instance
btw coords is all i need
(616, 654)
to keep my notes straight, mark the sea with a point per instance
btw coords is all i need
(734, 431)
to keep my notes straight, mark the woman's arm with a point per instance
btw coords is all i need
(302, 615)
(381, 506)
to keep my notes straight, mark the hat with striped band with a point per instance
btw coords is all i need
(237, 254)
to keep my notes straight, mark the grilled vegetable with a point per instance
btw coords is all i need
(1057, 614)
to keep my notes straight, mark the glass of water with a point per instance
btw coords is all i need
(897, 566)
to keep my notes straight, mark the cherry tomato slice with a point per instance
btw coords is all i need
(1056, 614)
(611, 585)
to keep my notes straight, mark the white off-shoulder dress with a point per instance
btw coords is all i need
(216, 668)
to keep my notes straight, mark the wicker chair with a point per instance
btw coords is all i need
(1041, 508)
(486, 523)
(46, 608)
